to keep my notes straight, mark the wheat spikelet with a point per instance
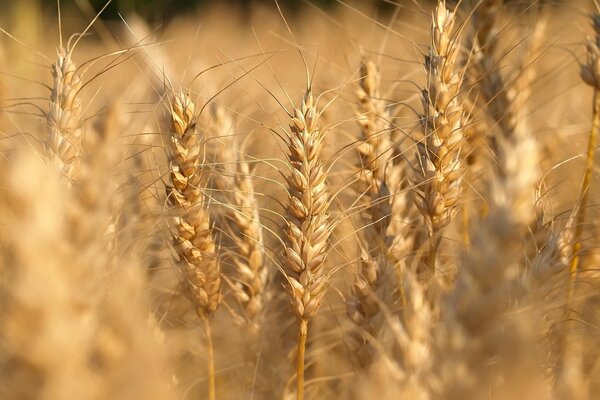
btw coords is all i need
(243, 223)
(308, 227)
(64, 121)
(439, 172)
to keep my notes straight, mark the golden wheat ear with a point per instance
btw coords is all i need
(64, 121)
(308, 226)
(439, 169)
(198, 264)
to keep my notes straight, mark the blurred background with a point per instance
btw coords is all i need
(157, 9)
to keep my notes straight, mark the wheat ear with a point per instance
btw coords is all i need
(64, 121)
(375, 152)
(490, 81)
(308, 226)
(198, 260)
(439, 172)
(243, 223)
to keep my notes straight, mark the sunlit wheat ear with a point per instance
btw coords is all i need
(439, 169)
(192, 230)
(308, 227)
(64, 120)
(243, 223)
(193, 241)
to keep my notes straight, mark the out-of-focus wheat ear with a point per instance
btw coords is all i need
(590, 73)
(439, 170)
(374, 153)
(384, 202)
(362, 306)
(484, 23)
(485, 74)
(47, 291)
(198, 262)
(308, 227)
(243, 223)
(64, 120)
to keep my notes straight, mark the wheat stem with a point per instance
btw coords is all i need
(210, 359)
(584, 195)
(590, 74)
(302, 335)
(585, 189)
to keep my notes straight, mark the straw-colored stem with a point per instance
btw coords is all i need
(210, 359)
(584, 194)
(302, 334)
(432, 254)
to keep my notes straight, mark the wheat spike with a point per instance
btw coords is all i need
(439, 171)
(199, 264)
(308, 227)
(243, 223)
(198, 259)
(64, 119)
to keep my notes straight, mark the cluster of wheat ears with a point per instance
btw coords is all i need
(339, 205)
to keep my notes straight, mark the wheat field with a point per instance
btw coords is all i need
(393, 200)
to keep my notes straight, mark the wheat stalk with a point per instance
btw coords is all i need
(439, 173)
(198, 259)
(308, 227)
(590, 73)
(64, 120)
